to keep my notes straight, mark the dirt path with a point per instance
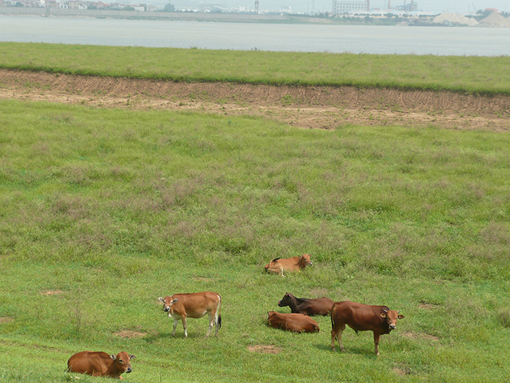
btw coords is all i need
(306, 107)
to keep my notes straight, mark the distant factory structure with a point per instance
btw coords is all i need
(349, 6)
(362, 6)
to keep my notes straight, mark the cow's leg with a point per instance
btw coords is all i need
(333, 337)
(211, 324)
(175, 326)
(185, 325)
(376, 341)
(340, 338)
(217, 317)
(281, 271)
(337, 332)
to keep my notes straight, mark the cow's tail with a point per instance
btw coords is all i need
(218, 314)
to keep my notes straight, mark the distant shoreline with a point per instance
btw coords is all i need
(185, 16)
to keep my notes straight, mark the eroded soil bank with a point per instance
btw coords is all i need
(310, 107)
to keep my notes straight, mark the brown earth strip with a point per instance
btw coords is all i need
(130, 334)
(312, 107)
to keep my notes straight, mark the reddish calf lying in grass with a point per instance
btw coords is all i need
(278, 265)
(292, 322)
(379, 319)
(100, 364)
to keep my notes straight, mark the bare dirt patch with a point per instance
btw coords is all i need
(6, 320)
(423, 336)
(51, 292)
(318, 293)
(428, 306)
(402, 370)
(130, 334)
(203, 279)
(311, 107)
(264, 349)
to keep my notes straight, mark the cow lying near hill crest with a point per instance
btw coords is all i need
(379, 319)
(292, 322)
(194, 305)
(100, 363)
(311, 307)
(278, 265)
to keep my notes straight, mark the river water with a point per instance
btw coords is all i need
(458, 41)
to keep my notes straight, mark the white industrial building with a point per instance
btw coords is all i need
(349, 6)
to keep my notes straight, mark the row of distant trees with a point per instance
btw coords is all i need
(168, 8)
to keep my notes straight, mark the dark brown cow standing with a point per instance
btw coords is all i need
(193, 305)
(379, 319)
(98, 363)
(292, 322)
(311, 307)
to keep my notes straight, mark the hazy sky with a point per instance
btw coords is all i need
(438, 6)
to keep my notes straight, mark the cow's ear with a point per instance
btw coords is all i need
(401, 316)
(161, 299)
(175, 300)
(132, 357)
(112, 356)
(384, 314)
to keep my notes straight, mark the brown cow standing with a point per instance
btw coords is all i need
(311, 307)
(278, 265)
(100, 364)
(194, 305)
(379, 319)
(292, 322)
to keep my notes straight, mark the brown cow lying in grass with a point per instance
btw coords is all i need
(310, 307)
(292, 322)
(100, 364)
(278, 265)
(379, 319)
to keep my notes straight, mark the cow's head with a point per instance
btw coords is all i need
(285, 300)
(167, 303)
(304, 260)
(122, 361)
(271, 264)
(391, 317)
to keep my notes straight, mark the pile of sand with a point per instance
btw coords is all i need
(495, 20)
(454, 18)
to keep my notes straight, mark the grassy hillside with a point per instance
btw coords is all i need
(103, 211)
(487, 75)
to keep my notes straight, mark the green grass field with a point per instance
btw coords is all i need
(484, 75)
(103, 211)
